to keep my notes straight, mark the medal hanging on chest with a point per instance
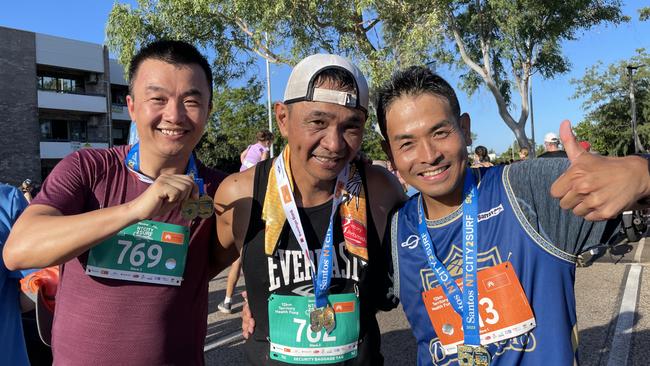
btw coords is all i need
(323, 315)
(465, 302)
(473, 356)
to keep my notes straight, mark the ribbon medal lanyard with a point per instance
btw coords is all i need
(465, 302)
(190, 209)
(323, 315)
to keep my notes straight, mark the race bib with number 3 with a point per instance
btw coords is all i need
(148, 251)
(293, 341)
(504, 311)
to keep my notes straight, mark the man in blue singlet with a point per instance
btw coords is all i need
(484, 259)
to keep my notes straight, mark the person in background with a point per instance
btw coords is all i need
(27, 187)
(481, 157)
(249, 158)
(12, 340)
(552, 147)
(258, 151)
(523, 154)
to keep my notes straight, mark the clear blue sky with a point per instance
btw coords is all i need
(85, 20)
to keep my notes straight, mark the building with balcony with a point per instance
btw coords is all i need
(57, 95)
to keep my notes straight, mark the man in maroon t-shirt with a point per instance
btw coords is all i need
(136, 259)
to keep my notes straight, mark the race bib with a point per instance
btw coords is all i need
(148, 251)
(504, 311)
(293, 341)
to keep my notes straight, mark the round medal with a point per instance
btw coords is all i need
(205, 206)
(189, 209)
(329, 321)
(316, 320)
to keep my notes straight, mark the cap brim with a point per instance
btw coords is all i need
(44, 318)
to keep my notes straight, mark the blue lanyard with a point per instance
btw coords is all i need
(465, 303)
(322, 282)
(323, 276)
(132, 162)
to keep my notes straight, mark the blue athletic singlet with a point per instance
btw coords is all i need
(546, 274)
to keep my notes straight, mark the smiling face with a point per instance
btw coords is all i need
(428, 146)
(323, 138)
(170, 106)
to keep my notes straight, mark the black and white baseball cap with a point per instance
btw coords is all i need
(300, 86)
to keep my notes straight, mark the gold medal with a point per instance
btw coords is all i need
(481, 356)
(329, 321)
(205, 206)
(190, 209)
(316, 320)
(465, 355)
(473, 355)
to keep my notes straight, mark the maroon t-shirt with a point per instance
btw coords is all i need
(101, 321)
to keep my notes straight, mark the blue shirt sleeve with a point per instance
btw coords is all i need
(12, 204)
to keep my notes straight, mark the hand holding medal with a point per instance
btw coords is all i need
(202, 207)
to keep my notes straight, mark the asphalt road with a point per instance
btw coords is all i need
(612, 298)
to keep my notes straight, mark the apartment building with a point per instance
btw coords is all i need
(57, 95)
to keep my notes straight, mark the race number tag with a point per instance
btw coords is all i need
(503, 308)
(293, 341)
(148, 251)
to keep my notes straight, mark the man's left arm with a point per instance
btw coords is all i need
(598, 187)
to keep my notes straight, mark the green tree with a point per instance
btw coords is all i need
(607, 125)
(501, 42)
(644, 13)
(372, 139)
(236, 117)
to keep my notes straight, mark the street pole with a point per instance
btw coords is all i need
(635, 134)
(268, 92)
(532, 118)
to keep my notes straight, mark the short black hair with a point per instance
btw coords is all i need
(413, 81)
(171, 52)
(340, 79)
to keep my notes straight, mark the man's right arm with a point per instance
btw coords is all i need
(43, 236)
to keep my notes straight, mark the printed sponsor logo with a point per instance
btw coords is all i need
(497, 281)
(490, 214)
(411, 242)
(172, 238)
(286, 194)
(354, 232)
(344, 307)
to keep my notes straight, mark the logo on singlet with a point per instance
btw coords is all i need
(411, 242)
(289, 267)
(490, 214)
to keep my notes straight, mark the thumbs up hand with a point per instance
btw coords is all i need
(571, 146)
(599, 187)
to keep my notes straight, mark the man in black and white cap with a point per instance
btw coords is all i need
(552, 147)
(309, 225)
